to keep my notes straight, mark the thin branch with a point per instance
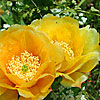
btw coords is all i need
(36, 7)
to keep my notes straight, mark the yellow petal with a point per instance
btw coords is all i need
(57, 55)
(9, 95)
(77, 77)
(38, 95)
(7, 86)
(11, 44)
(25, 92)
(91, 39)
(62, 29)
(14, 79)
(42, 95)
(64, 75)
(45, 83)
(45, 70)
(77, 63)
(19, 38)
(89, 65)
(4, 81)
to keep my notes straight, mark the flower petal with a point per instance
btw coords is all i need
(2, 90)
(91, 39)
(38, 95)
(81, 61)
(25, 92)
(4, 81)
(89, 65)
(77, 77)
(14, 79)
(64, 75)
(56, 29)
(45, 83)
(9, 95)
(22, 98)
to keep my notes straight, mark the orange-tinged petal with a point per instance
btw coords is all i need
(7, 86)
(17, 39)
(38, 95)
(45, 82)
(25, 93)
(2, 90)
(27, 84)
(4, 81)
(40, 42)
(9, 95)
(35, 90)
(11, 44)
(14, 79)
(34, 81)
(40, 74)
(44, 68)
(77, 77)
(42, 95)
(22, 98)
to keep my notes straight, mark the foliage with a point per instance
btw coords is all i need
(86, 11)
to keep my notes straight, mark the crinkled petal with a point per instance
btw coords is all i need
(89, 65)
(64, 75)
(38, 95)
(56, 29)
(9, 95)
(91, 39)
(77, 77)
(25, 93)
(57, 55)
(45, 83)
(19, 38)
(80, 62)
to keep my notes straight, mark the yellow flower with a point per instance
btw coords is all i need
(80, 47)
(26, 64)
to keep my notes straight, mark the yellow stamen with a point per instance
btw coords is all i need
(24, 66)
(65, 47)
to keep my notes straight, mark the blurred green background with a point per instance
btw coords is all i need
(87, 12)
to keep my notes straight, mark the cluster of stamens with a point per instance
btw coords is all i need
(65, 47)
(24, 66)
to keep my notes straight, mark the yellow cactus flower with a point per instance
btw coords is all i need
(80, 47)
(27, 66)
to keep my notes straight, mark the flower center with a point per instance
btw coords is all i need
(24, 66)
(65, 47)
